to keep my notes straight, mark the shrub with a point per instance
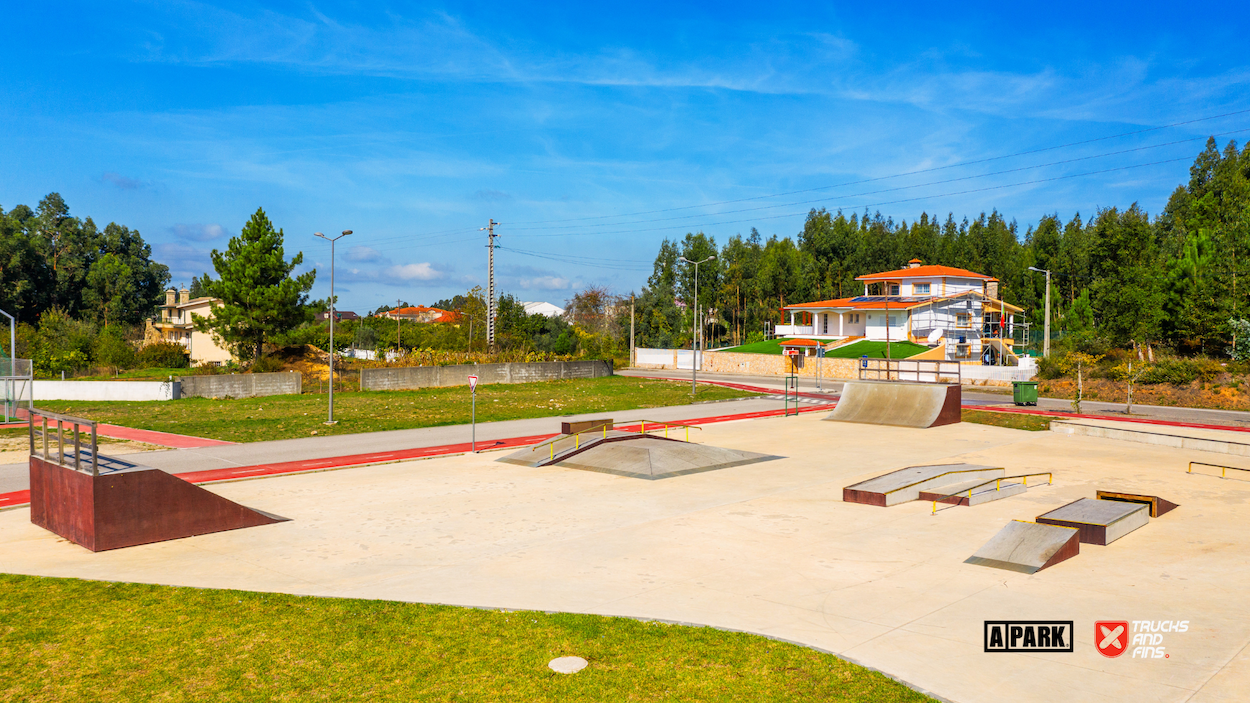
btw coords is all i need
(1180, 372)
(267, 364)
(163, 355)
(111, 349)
(1049, 368)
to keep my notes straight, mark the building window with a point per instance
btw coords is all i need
(920, 289)
(893, 289)
(824, 324)
(963, 320)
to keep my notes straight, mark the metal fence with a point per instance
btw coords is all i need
(43, 435)
(16, 383)
(915, 370)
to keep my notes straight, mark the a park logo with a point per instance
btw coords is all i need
(1111, 637)
(1028, 636)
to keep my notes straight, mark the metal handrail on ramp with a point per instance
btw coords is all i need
(1223, 469)
(916, 370)
(577, 436)
(62, 421)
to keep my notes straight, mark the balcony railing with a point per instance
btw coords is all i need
(794, 330)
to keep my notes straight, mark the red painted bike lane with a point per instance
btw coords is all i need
(18, 498)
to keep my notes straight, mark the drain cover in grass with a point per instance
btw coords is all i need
(567, 665)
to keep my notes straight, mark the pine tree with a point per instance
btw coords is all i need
(259, 298)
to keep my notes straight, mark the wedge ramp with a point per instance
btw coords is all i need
(1028, 547)
(898, 403)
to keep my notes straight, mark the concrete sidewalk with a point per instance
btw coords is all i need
(15, 477)
(767, 548)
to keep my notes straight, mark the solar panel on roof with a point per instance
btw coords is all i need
(885, 298)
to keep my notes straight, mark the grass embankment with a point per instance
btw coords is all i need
(288, 416)
(73, 640)
(1015, 421)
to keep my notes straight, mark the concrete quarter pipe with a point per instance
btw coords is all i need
(898, 403)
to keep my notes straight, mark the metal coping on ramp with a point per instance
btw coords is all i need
(906, 484)
(1028, 547)
(898, 403)
(1158, 506)
(1099, 522)
(638, 456)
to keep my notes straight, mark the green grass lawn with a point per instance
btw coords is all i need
(74, 640)
(1016, 421)
(768, 346)
(876, 350)
(287, 416)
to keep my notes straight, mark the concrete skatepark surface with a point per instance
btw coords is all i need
(906, 484)
(767, 548)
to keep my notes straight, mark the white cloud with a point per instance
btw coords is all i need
(364, 255)
(198, 233)
(545, 283)
(414, 272)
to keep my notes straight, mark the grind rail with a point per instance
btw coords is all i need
(998, 486)
(915, 370)
(577, 436)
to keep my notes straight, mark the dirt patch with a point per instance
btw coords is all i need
(1226, 394)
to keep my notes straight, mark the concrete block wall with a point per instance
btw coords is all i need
(394, 379)
(103, 390)
(242, 385)
(775, 365)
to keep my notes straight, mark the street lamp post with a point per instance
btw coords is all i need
(332, 240)
(698, 330)
(1046, 331)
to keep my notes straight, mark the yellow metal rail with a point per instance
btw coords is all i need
(945, 473)
(1050, 478)
(1223, 469)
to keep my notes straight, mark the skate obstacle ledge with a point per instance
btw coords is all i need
(1099, 522)
(1028, 547)
(1158, 506)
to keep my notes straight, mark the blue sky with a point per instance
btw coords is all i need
(413, 124)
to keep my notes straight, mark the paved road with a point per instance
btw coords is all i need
(15, 477)
(980, 396)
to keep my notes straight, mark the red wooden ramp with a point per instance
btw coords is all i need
(125, 508)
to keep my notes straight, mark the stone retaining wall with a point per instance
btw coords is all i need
(516, 372)
(242, 385)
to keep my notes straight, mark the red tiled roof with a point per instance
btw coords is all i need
(434, 314)
(898, 304)
(928, 271)
(799, 343)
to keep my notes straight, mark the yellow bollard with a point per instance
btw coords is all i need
(643, 425)
(553, 449)
(687, 433)
(577, 441)
(666, 431)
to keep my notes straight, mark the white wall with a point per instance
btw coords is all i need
(104, 390)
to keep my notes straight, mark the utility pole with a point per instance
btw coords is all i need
(490, 282)
(694, 341)
(398, 305)
(632, 360)
(1046, 327)
(332, 240)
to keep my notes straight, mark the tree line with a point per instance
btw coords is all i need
(1119, 278)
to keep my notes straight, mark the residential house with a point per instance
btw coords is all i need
(420, 313)
(339, 315)
(177, 324)
(928, 304)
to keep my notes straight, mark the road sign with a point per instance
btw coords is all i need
(473, 383)
(791, 352)
(473, 421)
(820, 351)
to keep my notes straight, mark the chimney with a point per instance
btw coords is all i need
(184, 296)
(170, 296)
(991, 290)
(914, 263)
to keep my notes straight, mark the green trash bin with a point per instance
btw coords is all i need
(1024, 392)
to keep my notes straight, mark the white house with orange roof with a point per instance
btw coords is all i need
(926, 304)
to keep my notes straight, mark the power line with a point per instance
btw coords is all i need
(615, 264)
(871, 205)
(898, 175)
(896, 188)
